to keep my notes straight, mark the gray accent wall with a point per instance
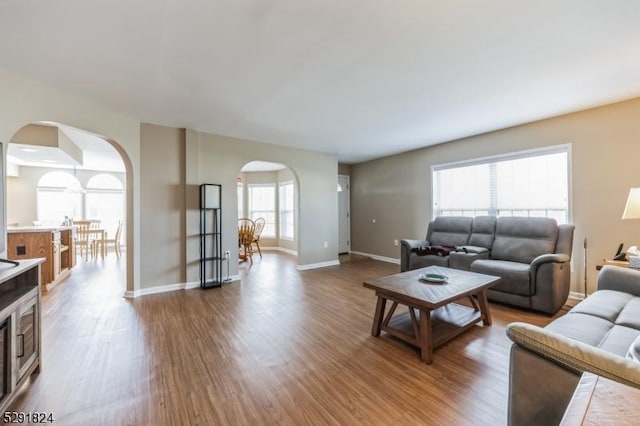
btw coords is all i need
(605, 141)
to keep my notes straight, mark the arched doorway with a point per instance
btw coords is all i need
(270, 191)
(56, 148)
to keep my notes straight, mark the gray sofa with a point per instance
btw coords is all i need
(600, 335)
(530, 254)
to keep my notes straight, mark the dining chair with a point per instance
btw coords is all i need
(84, 242)
(258, 231)
(246, 229)
(115, 240)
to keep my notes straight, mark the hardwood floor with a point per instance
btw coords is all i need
(280, 347)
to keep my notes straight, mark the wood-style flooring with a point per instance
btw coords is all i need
(281, 347)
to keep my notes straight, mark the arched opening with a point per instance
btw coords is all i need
(54, 171)
(270, 192)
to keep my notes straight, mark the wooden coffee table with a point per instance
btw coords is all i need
(432, 318)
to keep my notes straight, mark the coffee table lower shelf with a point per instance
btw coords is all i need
(425, 328)
(447, 322)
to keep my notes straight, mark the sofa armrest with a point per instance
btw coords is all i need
(406, 247)
(413, 244)
(549, 258)
(574, 355)
(619, 279)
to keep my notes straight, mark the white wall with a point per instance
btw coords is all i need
(218, 159)
(25, 101)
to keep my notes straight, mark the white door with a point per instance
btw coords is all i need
(343, 215)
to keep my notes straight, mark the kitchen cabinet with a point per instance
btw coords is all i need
(56, 245)
(20, 326)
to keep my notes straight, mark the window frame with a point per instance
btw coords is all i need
(515, 155)
(281, 224)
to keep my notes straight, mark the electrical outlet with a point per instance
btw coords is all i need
(227, 254)
(395, 243)
(326, 244)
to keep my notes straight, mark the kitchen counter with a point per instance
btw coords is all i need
(17, 229)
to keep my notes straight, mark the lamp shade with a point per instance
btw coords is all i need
(632, 209)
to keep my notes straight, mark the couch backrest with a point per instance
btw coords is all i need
(522, 239)
(483, 231)
(449, 231)
(565, 239)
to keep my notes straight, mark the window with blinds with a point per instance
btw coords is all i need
(531, 183)
(285, 204)
(262, 203)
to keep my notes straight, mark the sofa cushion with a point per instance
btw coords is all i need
(522, 239)
(634, 350)
(630, 314)
(449, 231)
(515, 276)
(483, 231)
(606, 319)
(606, 304)
(585, 328)
(416, 261)
(618, 339)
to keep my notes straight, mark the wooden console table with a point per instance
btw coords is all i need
(601, 401)
(620, 263)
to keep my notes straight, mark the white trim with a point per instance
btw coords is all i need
(552, 149)
(376, 257)
(348, 189)
(282, 249)
(576, 295)
(318, 265)
(293, 209)
(171, 287)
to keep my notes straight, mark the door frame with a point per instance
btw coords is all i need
(348, 191)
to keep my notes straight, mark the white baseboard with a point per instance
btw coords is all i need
(282, 249)
(317, 265)
(376, 257)
(576, 295)
(171, 287)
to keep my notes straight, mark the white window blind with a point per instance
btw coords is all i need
(286, 210)
(532, 183)
(262, 203)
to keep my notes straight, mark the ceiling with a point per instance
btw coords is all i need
(360, 78)
(97, 154)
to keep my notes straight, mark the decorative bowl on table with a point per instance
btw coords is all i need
(433, 278)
